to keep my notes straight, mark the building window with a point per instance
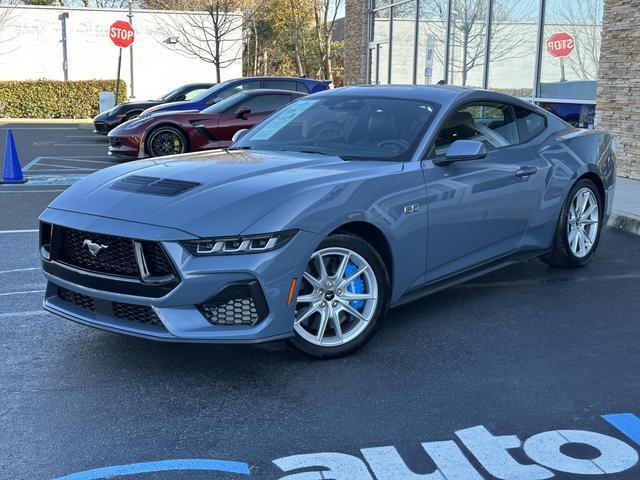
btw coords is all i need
(403, 42)
(512, 51)
(432, 24)
(467, 42)
(379, 47)
(571, 49)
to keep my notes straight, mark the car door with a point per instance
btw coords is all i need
(479, 210)
(248, 113)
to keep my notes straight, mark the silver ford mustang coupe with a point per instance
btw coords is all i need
(317, 221)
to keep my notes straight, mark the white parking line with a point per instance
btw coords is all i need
(23, 314)
(75, 145)
(19, 270)
(28, 191)
(19, 231)
(27, 292)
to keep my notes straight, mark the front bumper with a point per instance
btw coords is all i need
(103, 125)
(179, 312)
(124, 146)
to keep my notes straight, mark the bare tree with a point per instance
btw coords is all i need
(583, 19)
(469, 31)
(6, 21)
(210, 30)
(325, 13)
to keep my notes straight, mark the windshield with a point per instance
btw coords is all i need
(168, 96)
(372, 128)
(226, 104)
(207, 93)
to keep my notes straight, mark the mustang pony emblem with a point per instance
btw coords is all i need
(94, 248)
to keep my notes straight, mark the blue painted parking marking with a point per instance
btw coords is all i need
(627, 423)
(160, 466)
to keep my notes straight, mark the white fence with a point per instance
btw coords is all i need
(31, 48)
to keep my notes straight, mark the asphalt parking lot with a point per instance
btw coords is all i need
(525, 350)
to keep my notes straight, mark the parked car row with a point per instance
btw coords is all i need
(198, 116)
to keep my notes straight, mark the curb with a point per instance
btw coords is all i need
(625, 221)
(45, 120)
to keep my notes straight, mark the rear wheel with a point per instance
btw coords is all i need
(342, 299)
(166, 141)
(578, 230)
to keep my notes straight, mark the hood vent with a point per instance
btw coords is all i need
(164, 187)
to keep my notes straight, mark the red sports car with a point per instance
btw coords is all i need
(189, 131)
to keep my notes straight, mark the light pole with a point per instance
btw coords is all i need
(130, 17)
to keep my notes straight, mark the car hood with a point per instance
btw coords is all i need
(235, 189)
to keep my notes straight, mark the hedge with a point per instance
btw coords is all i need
(55, 99)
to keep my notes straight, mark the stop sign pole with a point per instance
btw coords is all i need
(122, 35)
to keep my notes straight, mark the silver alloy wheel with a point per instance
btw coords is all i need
(330, 311)
(582, 222)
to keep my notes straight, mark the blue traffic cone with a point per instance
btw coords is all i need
(12, 172)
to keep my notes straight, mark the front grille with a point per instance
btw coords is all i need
(135, 313)
(238, 311)
(77, 299)
(157, 261)
(124, 311)
(115, 142)
(100, 127)
(117, 256)
(236, 304)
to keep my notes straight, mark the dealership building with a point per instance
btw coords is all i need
(577, 58)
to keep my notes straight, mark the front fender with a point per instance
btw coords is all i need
(379, 201)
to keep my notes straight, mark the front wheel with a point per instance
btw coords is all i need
(343, 297)
(578, 230)
(166, 141)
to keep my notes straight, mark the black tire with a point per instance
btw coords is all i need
(170, 131)
(372, 257)
(561, 254)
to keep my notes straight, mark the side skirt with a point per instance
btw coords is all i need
(465, 276)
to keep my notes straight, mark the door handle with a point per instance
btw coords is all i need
(526, 171)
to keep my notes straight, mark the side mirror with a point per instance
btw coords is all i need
(238, 135)
(242, 113)
(180, 98)
(463, 150)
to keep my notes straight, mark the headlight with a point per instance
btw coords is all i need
(235, 245)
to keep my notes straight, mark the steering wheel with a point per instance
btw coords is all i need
(327, 132)
(397, 143)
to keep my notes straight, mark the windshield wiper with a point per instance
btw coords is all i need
(243, 147)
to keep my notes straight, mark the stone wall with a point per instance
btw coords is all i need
(618, 109)
(355, 45)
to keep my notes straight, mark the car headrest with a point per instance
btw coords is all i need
(381, 125)
(460, 118)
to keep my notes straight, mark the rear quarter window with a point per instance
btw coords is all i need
(530, 124)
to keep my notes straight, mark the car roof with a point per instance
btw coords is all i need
(198, 84)
(433, 93)
(272, 91)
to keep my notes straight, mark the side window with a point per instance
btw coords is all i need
(493, 124)
(265, 103)
(235, 89)
(280, 85)
(530, 124)
(193, 93)
(300, 87)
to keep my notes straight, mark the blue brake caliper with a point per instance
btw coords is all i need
(357, 286)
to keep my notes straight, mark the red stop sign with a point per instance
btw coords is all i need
(121, 33)
(561, 44)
